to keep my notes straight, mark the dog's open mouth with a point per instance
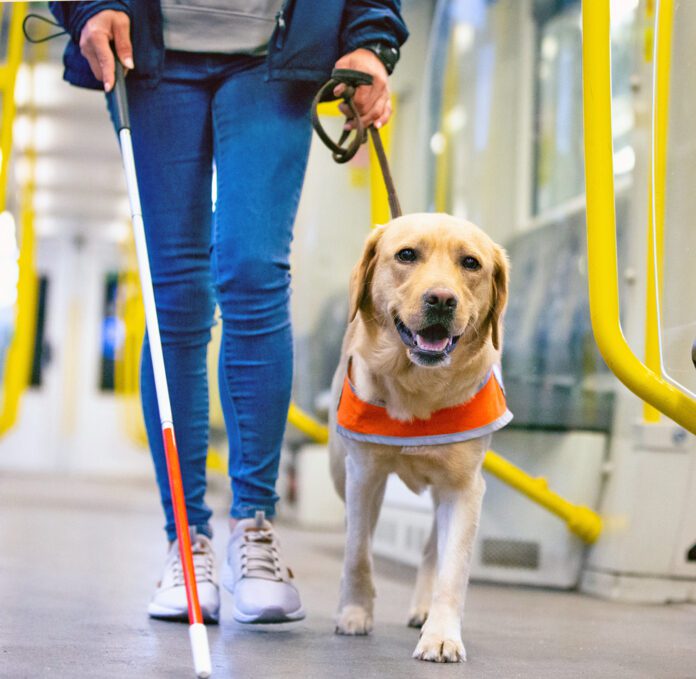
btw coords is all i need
(433, 341)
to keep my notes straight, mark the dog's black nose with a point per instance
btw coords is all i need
(440, 299)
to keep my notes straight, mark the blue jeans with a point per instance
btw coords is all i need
(219, 108)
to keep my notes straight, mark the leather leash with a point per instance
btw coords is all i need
(348, 144)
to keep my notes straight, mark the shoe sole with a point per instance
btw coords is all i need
(268, 616)
(176, 615)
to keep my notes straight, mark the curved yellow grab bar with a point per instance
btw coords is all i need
(660, 38)
(581, 521)
(307, 424)
(21, 349)
(601, 226)
(8, 75)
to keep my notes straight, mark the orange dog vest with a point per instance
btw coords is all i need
(483, 414)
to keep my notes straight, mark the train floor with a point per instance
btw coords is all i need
(79, 558)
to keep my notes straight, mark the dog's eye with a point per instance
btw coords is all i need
(407, 255)
(471, 263)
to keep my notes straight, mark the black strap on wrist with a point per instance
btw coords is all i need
(387, 54)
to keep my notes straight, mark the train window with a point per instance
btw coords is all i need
(558, 152)
(112, 333)
(479, 127)
(504, 113)
(559, 171)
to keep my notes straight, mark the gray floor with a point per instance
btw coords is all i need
(78, 560)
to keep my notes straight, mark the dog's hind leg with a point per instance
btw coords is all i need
(365, 483)
(337, 449)
(423, 592)
(337, 466)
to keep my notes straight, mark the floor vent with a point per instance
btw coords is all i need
(510, 553)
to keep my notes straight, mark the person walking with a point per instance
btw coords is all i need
(226, 84)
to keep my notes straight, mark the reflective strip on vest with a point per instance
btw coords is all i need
(483, 414)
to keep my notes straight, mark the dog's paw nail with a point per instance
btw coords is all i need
(435, 649)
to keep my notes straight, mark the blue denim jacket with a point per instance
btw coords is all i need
(305, 45)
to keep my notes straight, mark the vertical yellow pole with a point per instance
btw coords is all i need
(15, 43)
(443, 150)
(601, 226)
(19, 355)
(656, 201)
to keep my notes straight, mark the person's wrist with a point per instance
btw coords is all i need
(388, 55)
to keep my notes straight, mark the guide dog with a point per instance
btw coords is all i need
(418, 392)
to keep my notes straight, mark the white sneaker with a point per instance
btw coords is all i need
(256, 575)
(169, 601)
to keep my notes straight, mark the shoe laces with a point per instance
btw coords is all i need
(203, 564)
(260, 557)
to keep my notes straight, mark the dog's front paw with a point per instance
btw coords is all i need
(353, 620)
(437, 648)
(417, 616)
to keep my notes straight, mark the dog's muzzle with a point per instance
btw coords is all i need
(429, 345)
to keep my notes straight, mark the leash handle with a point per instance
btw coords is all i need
(351, 79)
(342, 154)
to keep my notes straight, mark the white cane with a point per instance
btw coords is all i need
(197, 631)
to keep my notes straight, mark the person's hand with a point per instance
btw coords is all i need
(95, 44)
(373, 102)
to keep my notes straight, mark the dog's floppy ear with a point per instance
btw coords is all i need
(499, 293)
(361, 277)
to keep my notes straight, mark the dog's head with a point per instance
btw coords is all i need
(435, 282)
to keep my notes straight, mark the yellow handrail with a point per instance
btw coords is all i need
(656, 199)
(15, 43)
(19, 354)
(127, 364)
(601, 226)
(444, 151)
(307, 424)
(581, 520)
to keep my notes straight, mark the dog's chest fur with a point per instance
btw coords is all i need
(452, 465)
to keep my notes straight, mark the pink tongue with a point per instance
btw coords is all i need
(434, 345)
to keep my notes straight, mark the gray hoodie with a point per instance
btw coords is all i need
(225, 26)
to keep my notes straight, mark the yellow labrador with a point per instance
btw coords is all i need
(425, 334)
